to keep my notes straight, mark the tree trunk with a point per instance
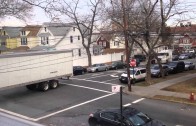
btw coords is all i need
(148, 72)
(89, 56)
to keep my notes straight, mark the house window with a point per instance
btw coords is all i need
(104, 44)
(71, 39)
(74, 28)
(100, 43)
(116, 43)
(45, 29)
(78, 37)
(23, 41)
(3, 43)
(23, 33)
(79, 52)
(44, 40)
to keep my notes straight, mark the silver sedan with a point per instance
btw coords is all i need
(97, 67)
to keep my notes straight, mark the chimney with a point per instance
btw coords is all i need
(181, 25)
(189, 23)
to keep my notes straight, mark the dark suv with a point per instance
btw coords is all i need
(130, 117)
(117, 65)
(176, 66)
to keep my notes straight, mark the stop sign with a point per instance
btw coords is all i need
(133, 62)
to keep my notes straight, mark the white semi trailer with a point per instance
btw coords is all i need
(37, 70)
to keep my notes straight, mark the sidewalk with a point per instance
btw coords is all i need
(153, 90)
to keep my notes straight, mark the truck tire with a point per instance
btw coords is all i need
(43, 86)
(31, 86)
(53, 84)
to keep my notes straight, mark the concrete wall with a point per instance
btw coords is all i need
(83, 61)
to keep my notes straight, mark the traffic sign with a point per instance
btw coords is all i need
(132, 63)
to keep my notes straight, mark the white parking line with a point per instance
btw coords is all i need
(95, 81)
(97, 76)
(17, 115)
(87, 87)
(126, 105)
(111, 79)
(138, 100)
(63, 110)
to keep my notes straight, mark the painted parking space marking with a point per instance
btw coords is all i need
(97, 76)
(111, 80)
(96, 81)
(126, 105)
(114, 75)
(63, 110)
(139, 100)
(17, 115)
(86, 87)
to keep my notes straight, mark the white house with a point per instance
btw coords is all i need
(61, 36)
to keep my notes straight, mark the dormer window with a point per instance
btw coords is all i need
(4, 33)
(45, 29)
(74, 28)
(23, 32)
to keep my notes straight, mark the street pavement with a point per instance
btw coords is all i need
(75, 99)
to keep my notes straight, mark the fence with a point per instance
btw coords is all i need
(83, 61)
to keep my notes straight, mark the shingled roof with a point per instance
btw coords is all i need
(34, 29)
(12, 31)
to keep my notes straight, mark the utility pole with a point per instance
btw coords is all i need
(126, 45)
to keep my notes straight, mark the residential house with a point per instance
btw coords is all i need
(185, 36)
(61, 36)
(101, 41)
(28, 36)
(9, 35)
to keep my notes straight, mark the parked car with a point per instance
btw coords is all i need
(183, 57)
(191, 55)
(189, 66)
(78, 70)
(98, 67)
(176, 66)
(155, 70)
(175, 57)
(136, 74)
(130, 116)
(117, 65)
(190, 50)
(140, 57)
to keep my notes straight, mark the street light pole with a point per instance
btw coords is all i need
(126, 45)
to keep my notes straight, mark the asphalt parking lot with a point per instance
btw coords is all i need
(75, 99)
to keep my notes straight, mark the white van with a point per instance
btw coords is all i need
(136, 74)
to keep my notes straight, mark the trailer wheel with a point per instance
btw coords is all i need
(43, 86)
(31, 86)
(53, 84)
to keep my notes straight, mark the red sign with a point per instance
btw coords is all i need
(132, 63)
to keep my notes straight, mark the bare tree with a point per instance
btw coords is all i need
(82, 14)
(146, 24)
(15, 8)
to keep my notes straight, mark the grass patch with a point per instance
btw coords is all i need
(187, 86)
(175, 99)
(171, 76)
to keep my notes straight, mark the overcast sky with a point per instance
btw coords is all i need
(40, 17)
